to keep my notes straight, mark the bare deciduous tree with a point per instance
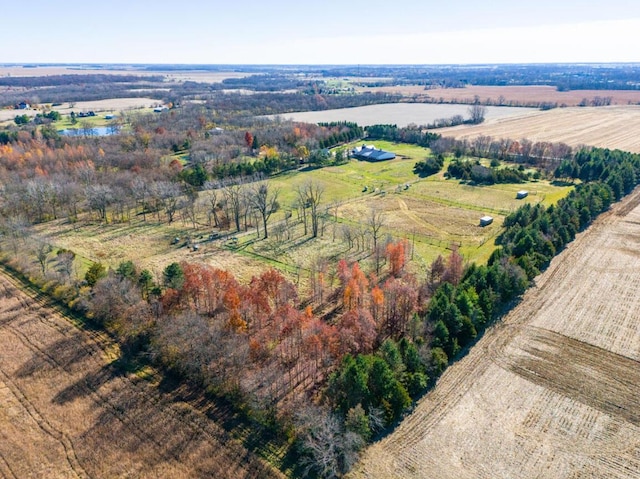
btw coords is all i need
(477, 113)
(264, 199)
(375, 222)
(310, 196)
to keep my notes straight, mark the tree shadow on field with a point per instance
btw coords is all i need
(68, 354)
(88, 384)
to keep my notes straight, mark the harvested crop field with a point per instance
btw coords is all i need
(401, 114)
(606, 127)
(515, 95)
(67, 411)
(553, 390)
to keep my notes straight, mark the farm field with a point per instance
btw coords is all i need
(551, 391)
(67, 411)
(511, 94)
(432, 213)
(401, 114)
(607, 127)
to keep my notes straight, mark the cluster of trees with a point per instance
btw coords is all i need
(541, 154)
(617, 169)
(463, 305)
(469, 170)
(429, 166)
(348, 131)
(411, 134)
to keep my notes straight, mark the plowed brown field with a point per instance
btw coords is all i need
(553, 391)
(606, 127)
(66, 412)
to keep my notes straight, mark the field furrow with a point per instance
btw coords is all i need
(606, 127)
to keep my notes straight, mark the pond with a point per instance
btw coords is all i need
(94, 131)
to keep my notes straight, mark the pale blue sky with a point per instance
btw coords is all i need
(329, 31)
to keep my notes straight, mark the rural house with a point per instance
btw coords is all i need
(371, 153)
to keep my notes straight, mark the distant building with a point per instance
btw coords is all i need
(371, 153)
(486, 220)
(23, 105)
(522, 194)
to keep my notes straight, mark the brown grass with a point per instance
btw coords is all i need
(66, 411)
(553, 390)
(520, 95)
(607, 127)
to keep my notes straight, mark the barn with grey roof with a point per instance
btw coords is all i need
(371, 153)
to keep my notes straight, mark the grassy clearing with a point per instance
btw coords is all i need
(432, 214)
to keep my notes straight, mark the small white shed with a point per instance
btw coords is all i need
(486, 220)
(522, 194)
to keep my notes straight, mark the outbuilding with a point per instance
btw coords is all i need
(522, 194)
(486, 220)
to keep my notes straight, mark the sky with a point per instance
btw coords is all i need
(319, 32)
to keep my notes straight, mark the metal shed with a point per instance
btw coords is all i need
(486, 220)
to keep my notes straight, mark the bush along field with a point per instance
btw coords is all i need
(330, 351)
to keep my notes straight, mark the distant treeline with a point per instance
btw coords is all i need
(91, 79)
(563, 76)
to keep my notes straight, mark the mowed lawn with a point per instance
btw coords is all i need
(432, 214)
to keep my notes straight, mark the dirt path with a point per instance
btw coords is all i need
(65, 411)
(553, 390)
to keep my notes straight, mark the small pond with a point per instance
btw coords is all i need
(95, 131)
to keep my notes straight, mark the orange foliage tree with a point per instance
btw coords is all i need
(396, 254)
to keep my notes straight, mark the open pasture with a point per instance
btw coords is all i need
(606, 127)
(551, 391)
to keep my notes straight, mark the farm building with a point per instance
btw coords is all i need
(371, 153)
(522, 194)
(486, 220)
